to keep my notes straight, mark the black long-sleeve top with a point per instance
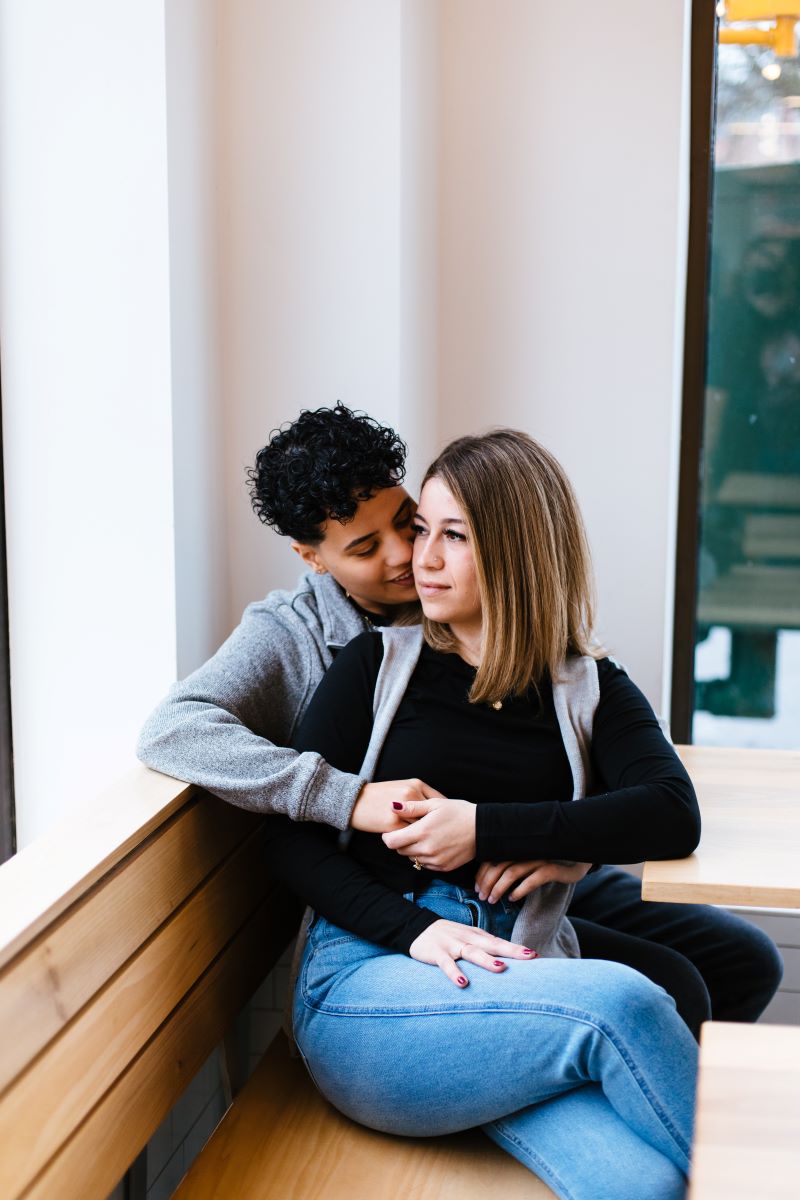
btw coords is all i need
(510, 762)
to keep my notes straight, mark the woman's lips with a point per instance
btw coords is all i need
(406, 580)
(431, 589)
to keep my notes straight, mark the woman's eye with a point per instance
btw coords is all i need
(453, 535)
(417, 529)
(366, 553)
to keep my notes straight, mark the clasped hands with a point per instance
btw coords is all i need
(439, 834)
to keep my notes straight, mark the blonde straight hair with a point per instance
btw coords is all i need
(533, 563)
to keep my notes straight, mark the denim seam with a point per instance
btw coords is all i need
(547, 1172)
(547, 1010)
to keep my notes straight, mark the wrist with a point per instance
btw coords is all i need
(362, 800)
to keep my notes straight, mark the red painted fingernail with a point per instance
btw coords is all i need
(396, 805)
(532, 953)
(497, 963)
(462, 981)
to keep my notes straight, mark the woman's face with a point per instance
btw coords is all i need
(370, 556)
(444, 565)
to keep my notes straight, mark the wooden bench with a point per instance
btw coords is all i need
(130, 938)
(747, 1133)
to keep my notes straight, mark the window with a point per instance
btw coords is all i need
(745, 573)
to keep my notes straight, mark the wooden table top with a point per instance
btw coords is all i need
(747, 1133)
(749, 852)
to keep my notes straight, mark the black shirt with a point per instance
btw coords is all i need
(510, 762)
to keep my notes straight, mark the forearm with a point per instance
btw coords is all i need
(307, 859)
(204, 744)
(645, 821)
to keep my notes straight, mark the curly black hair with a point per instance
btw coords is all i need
(320, 467)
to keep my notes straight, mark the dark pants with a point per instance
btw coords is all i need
(712, 963)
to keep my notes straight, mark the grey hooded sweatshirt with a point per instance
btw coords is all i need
(227, 726)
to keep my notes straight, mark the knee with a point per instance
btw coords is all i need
(751, 977)
(624, 995)
(764, 970)
(768, 963)
(687, 987)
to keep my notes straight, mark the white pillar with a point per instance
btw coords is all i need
(84, 325)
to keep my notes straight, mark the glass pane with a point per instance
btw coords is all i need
(747, 651)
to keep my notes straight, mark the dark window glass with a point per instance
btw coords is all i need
(747, 646)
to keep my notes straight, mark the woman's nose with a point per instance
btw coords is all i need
(425, 554)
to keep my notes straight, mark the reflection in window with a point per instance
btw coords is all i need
(747, 657)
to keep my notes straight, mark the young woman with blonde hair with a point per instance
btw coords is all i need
(581, 1068)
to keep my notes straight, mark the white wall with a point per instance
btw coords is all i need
(562, 213)
(201, 559)
(309, 235)
(418, 400)
(449, 215)
(84, 325)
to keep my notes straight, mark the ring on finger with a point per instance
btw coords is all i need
(416, 864)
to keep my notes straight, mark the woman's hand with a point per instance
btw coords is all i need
(441, 835)
(443, 943)
(376, 809)
(494, 880)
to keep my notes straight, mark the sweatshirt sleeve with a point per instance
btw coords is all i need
(307, 859)
(643, 805)
(228, 726)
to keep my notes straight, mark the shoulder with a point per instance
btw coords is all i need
(352, 675)
(620, 696)
(302, 616)
(359, 661)
(280, 603)
(610, 670)
(275, 625)
(284, 605)
(367, 648)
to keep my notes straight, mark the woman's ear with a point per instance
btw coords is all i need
(310, 557)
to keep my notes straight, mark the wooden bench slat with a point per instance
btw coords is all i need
(45, 878)
(106, 1142)
(44, 987)
(282, 1141)
(40, 1110)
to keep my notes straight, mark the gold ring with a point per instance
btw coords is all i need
(417, 865)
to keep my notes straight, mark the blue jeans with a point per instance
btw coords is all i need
(714, 963)
(581, 1069)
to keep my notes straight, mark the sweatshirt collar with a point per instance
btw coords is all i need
(341, 621)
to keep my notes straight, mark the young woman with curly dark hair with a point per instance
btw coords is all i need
(332, 482)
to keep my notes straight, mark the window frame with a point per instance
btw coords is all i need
(703, 78)
(8, 830)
